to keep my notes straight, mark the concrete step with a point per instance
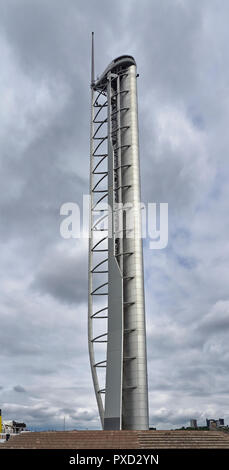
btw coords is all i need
(119, 440)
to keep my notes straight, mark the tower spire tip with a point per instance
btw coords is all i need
(92, 59)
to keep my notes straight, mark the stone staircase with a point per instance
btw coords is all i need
(183, 440)
(74, 440)
(119, 440)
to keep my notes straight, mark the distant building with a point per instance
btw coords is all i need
(13, 427)
(193, 423)
(214, 423)
(220, 422)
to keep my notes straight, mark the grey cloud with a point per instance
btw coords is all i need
(54, 38)
(172, 30)
(46, 186)
(64, 276)
(20, 346)
(41, 39)
(67, 410)
(217, 320)
(86, 415)
(19, 389)
(181, 417)
(34, 415)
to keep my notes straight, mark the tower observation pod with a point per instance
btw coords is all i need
(116, 306)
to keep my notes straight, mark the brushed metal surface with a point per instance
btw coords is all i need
(135, 400)
(114, 370)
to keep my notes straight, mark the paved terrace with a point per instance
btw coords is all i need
(119, 440)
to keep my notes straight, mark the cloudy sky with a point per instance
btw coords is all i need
(181, 50)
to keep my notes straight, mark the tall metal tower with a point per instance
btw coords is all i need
(116, 313)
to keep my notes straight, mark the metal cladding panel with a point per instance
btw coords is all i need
(113, 397)
(135, 387)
